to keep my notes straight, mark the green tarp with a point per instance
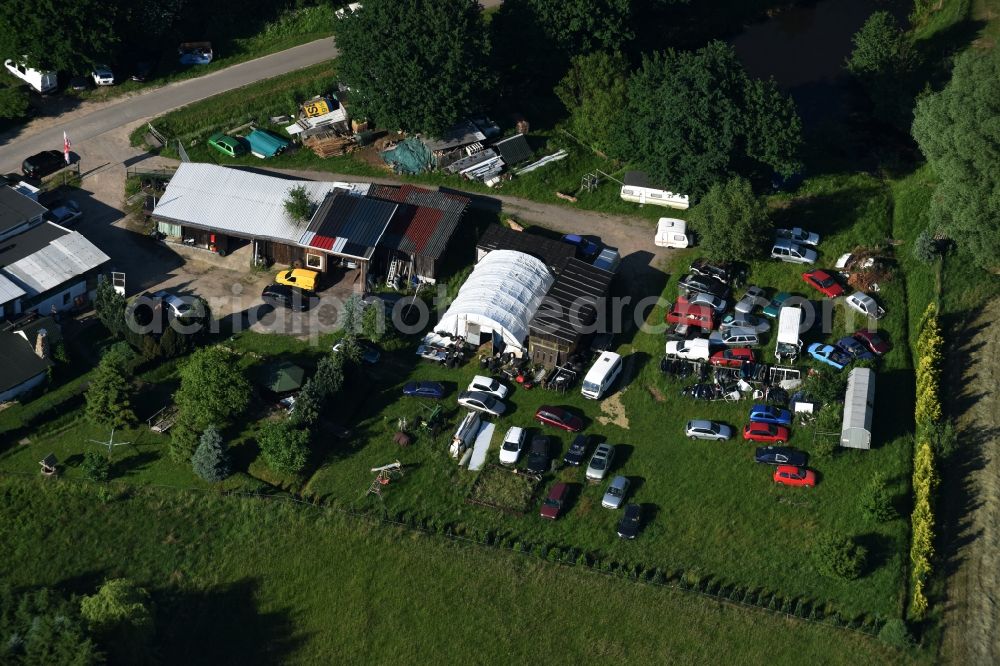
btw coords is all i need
(409, 156)
(280, 376)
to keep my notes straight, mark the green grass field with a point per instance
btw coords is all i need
(244, 581)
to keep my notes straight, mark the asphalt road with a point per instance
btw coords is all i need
(95, 119)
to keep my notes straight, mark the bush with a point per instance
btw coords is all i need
(96, 466)
(896, 634)
(298, 205)
(839, 557)
(875, 500)
(925, 248)
(284, 447)
(733, 223)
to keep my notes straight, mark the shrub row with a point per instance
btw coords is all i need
(690, 580)
(928, 416)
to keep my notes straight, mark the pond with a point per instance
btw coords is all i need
(804, 48)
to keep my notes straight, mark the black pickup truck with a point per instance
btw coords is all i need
(577, 450)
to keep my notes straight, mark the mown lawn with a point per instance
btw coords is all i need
(253, 582)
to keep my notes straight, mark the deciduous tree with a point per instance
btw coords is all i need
(694, 119)
(213, 390)
(121, 614)
(417, 65)
(13, 102)
(110, 307)
(58, 35)
(882, 61)
(955, 132)
(592, 91)
(283, 446)
(733, 223)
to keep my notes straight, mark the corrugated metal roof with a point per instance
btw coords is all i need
(859, 399)
(241, 203)
(431, 236)
(9, 291)
(570, 306)
(515, 149)
(62, 260)
(553, 252)
(349, 225)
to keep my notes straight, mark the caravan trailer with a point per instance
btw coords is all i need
(636, 189)
(42, 82)
(671, 232)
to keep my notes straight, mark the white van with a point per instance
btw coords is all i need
(43, 82)
(601, 375)
(788, 345)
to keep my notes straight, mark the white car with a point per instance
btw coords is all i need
(714, 302)
(513, 444)
(103, 76)
(481, 402)
(798, 235)
(179, 306)
(753, 298)
(699, 429)
(865, 304)
(487, 385)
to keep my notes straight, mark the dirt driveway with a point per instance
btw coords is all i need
(971, 498)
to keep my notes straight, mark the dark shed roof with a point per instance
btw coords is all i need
(552, 253)
(570, 308)
(514, 150)
(18, 361)
(348, 225)
(16, 209)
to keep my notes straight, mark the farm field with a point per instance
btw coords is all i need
(253, 582)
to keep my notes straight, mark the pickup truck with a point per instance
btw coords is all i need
(577, 450)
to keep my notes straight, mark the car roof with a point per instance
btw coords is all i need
(558, 489)
(619, 481)
(603, 447)
(514, 432)
(699, 423)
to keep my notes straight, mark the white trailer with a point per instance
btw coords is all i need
(788, 345)
(636, 188)
(671, 232)
(42, 82)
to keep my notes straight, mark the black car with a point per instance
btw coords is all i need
(720, 271)
(285, 296)
(143, 70)
(628, 526)
(577, 450)
(705, 285)
(42, 164)
(539, 455)
(780, 455)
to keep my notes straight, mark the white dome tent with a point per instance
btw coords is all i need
(499, 299)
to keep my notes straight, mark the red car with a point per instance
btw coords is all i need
(873, 341)
(765, 432)
(790, 475)
(683, 312)
(553, 504)
(732, 358)
(559, 418)
(824, 282)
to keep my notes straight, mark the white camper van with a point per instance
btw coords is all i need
(601, 375)
(788, 345)
(43, 82)
(671, 232)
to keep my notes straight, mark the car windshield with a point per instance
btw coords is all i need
(715, 427)
(598, 463)
(614, 492)
(510, 446)
(552, 502)
(826, 282)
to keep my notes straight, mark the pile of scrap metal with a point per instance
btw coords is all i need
(324, 126)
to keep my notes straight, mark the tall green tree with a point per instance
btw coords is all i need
(577, 27)
(213, 391)
(957, 131)
(58, 35)
(120, 613)
(13, 102)
(592, 91)
(210, 461)
(284, 446)
(109, 396)
(694, 119)
(882, 61)
(417, 65)
(110, 307)
(39, 627)
(733, 223)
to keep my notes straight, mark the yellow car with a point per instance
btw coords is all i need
(298, 277)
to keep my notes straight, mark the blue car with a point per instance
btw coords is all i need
(585, 249)
(830, 355)
(424, 390)
(853, 348)
(769, 414)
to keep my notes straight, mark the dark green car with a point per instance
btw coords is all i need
(227, 145)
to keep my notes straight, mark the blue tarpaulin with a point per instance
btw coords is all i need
(409, 156)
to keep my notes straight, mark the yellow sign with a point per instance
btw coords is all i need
(315, 108)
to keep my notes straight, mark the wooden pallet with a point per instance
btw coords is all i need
(329, 144)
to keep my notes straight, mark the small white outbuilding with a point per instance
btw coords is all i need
(859, 403)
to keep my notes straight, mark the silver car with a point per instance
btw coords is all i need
(793, 253)
(714, 302)
(614, 496)
(753, 298)
(600, 462)
(481, 402)
(701, 429)
(740, 320)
